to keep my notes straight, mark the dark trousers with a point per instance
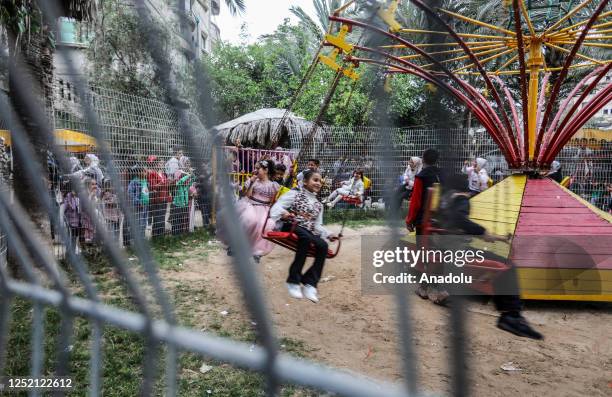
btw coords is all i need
(505, 287)
(75, 233)
(205, 209)
(399, 195)
(179, 219)
(158, 215)
(313, 275)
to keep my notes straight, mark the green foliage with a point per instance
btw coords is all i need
(268, 74)
(116, 54)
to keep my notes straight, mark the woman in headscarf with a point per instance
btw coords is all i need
(404, 191)
(92, 169)
(478, 178)
(75, 164)
(555, 172)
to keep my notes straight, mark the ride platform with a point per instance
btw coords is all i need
(561, 244)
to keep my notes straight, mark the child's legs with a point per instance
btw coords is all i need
(333, 195)
(303, 243)
(313, 275)
(335, 201)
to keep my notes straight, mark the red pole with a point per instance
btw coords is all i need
(600, 100)
(479, 113)
(489, 112)
(580, 100)
(563, 74)
(560, 112)
(476, 62)
(523, 76)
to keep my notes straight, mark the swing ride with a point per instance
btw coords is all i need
(503, 77)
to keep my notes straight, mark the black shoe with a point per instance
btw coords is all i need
(229, 251)
(256, 258)
(516, 324)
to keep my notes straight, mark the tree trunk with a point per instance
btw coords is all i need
(35, 60)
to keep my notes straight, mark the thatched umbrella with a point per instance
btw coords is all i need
(259, 129)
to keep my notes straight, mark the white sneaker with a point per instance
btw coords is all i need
(310, 293)
(295, 291)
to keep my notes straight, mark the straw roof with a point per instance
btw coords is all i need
(260, 128)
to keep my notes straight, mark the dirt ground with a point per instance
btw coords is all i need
(358, 332)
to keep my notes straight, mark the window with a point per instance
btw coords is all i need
(605, 111)
(73, 32)
(204, 37)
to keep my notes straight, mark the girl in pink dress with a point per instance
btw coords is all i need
(259, 193)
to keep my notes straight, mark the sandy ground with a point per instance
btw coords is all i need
(358, 332)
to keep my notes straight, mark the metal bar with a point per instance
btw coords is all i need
(512, 149)
(289, 369)
(542, 98)
(449, 51)
(513, 112)
(592, 84)
(568, 61)
(468, 43)
(572, 27)
(601, 100)
(37, 343)
(509, 62)
(468, 35)
(418, 50)
(483, 61)
(527, 19)
(476, 22)
(253, 296)
(476, 54)
(522, 76)
(562, 108)
(579, 55)
(567, 16)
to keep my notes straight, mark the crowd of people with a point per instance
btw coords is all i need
(156, 191)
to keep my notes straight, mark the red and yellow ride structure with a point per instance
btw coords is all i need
(530, 128)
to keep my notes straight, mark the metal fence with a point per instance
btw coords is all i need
(343, 149)
(70, 289)
(124, 136)
(144, 136)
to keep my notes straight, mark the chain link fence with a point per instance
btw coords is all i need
(128, 130)
(341, 150)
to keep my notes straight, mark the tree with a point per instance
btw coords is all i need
(30, 37)
(116, 57)
(323, 9)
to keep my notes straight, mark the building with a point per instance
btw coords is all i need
(190, 22)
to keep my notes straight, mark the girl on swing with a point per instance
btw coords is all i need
(303, 207)
(353, 187)
(259, 193)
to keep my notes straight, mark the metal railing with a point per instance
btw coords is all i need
(44, 283)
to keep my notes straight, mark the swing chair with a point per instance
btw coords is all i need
(358, 201)
(483, 274)
(289, 239)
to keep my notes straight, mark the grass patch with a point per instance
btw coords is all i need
(123, 351)
(170, 251)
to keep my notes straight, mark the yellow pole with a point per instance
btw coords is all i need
(535, 62)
